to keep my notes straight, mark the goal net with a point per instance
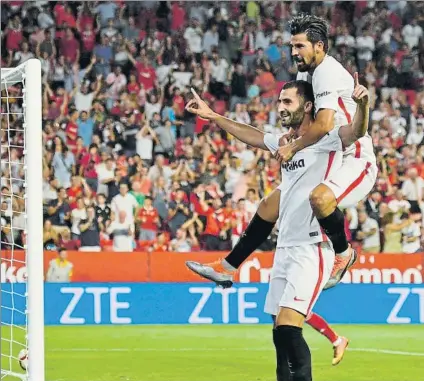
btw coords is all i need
(22, 303)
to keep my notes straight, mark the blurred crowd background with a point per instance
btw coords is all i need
(125, 168)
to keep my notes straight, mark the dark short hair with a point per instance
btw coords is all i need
(304, 89)
(315, 28)
(60, 250)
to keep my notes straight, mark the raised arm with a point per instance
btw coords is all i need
(244, 132)
(358, 128)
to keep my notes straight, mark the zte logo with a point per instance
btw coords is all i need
(293, 165)
(324, 94)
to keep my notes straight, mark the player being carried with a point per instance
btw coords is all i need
(304, 257)
(333, 87)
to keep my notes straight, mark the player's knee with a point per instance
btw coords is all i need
(289, 317)
(322, 198)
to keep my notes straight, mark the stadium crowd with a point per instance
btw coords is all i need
(127, 168)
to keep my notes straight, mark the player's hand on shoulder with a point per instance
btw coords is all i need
(360, 93)
(286, 138)
(286, 152)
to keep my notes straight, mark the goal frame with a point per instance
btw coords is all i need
(30, 72)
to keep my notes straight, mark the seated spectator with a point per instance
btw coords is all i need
(181, 243)
(160, 244)
(67, 243)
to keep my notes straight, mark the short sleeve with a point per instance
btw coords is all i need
(325, 89)
(272, 142)
(330, 142)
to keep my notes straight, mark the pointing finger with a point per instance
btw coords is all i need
(356, 78)
(195, 94)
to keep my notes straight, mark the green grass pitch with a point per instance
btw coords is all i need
(219, 353)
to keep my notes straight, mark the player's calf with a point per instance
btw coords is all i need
(331, 219)
(288, 338)
(283, 371)
(339, 343)
(258, 230)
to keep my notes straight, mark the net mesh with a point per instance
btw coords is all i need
(13, 222)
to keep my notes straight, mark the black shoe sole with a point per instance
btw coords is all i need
(223, 283)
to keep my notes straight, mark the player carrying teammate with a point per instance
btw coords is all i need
(292, 116)
(333, 87)
(303, 261)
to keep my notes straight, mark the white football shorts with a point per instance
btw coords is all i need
(298, 276)
(353, 181)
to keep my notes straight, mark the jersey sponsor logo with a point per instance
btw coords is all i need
(313, 234)
(294, 165)
(323, 94)
(296, 299)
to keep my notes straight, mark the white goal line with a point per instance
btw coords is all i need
(252, 349)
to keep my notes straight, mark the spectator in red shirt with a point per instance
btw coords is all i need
(239, 221)
(88, 39)
(85, 18)
(69, 17)
(79, 188)
(72, 130)
(149, 220)
(145, 72)
(178, 15)
(88, 167)
(215, 233)
(14, 35)
(133, 87)
(70, 47)
(160, 244)
(66, 242)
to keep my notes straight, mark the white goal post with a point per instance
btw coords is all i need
(22, 304)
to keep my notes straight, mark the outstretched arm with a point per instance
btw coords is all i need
(244, 132)
(358, 128)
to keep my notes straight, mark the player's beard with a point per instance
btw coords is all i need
(302, 66)
(293, 119)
